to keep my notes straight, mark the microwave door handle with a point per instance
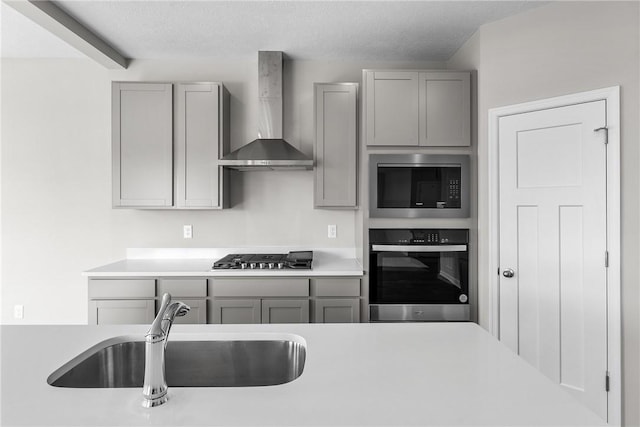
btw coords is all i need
(412, 248)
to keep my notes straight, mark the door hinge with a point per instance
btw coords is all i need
(606, 133)
(606, 259)
(606, 381)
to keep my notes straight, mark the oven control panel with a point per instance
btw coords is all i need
(418, 236)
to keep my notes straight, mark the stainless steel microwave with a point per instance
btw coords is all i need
(418, 186)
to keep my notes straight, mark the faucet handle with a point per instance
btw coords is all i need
(156, 327)
(183, 309)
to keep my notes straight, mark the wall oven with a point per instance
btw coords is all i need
(419, 275)
(418, 186)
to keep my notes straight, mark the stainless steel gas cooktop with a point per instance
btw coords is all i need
(294, 259)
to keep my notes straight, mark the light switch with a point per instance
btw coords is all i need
(332, 231)
(188, 231)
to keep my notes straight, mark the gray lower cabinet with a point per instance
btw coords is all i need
(235, 311)
(121, 301)
(131, 301)
(285, 311)
(166, 142)
(259, 300)
(197, 313)
(335, 300)
(119, 312)
(191, 291)
(336, 110)
(256, 310)
(336, 310)
(227, 300)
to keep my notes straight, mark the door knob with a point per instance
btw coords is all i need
(508, 273)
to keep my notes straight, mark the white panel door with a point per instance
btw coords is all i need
(553, 241)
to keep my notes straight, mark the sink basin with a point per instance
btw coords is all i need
(119, 362)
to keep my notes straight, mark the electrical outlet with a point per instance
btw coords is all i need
(188, 231)
(332, 231)
(18, 311)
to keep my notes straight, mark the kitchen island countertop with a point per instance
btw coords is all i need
(354, 374)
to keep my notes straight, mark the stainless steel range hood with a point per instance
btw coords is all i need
(269, 151)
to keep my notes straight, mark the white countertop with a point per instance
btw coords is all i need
(325, 263)
(354, 374)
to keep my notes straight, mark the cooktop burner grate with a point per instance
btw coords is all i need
(292, 260)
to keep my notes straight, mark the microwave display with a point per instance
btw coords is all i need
(418, 186)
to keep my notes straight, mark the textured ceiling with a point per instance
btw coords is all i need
(333, 30)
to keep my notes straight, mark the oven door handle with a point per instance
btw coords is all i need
(413, 248)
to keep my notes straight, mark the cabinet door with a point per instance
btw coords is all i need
(121, 312)
(197, 314)
(336, 142)
(445, 109)
(235, 311)
(198, 136)
(392, 108)
(285, 311)
(338, 310)
(142, 144)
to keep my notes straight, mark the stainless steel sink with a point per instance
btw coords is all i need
(119, 362)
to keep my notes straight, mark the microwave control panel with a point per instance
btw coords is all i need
(454, 190)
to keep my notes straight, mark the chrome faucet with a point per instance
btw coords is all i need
(155, 383)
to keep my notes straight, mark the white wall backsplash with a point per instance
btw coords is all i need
(57, 219)
(217, 253)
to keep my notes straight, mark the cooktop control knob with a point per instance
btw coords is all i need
(281, 265)
(272, 265)
(243, 265)
(253, 265)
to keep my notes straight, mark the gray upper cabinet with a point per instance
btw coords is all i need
(142, 144)
(445, 109)
(417, 108)
(391, 108)
(336, 112)
(166, 142)
(199, 142)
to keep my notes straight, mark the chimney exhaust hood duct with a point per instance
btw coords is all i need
(269, 151)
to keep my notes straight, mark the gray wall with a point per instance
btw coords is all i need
(57, 218)
(555, 50)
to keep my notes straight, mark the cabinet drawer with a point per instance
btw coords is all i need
(122, 288)
(268, 287)
(119, 312)
(183, 287)
(336, 287)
